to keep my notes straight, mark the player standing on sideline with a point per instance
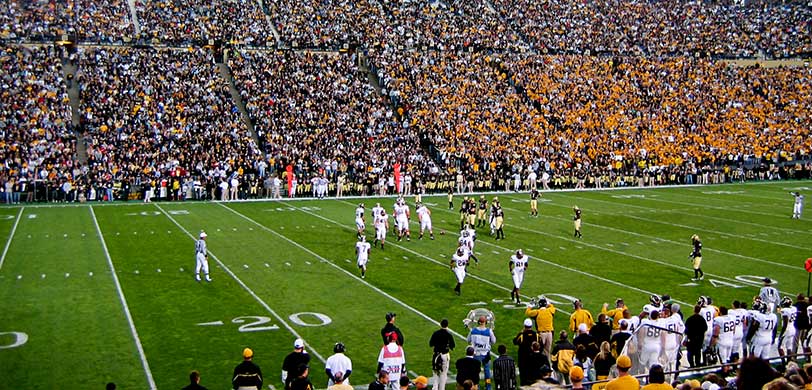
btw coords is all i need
(499, 221)
(762, 333)
(481, 210)
(653, 340)
(798, 208)
(424, 216)
(534, 203)
(459, 263)
(201, 257)
(338, 364)
(381, 226)
(517, 265)
(696, 255)
(359, 220)
(769, 295)
(362, 250)
(740, 315)
(708, 313)
(724, 329)
(576, 221)
(788, 343)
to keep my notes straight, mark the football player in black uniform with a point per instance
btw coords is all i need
(463, 212)
(576, 220)
(483, 207)
(499, 221)
(534, 202)
(472, 210)
(696, 255)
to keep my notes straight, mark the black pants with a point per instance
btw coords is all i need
(694, 353)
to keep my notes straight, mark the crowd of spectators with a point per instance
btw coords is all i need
(320, 114)
(155, 115)
(187, 21)
(326, 24)
(720, 28)
(89, 21)
(37, 142)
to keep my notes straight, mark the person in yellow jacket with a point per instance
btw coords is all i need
(615, 314)
(544, 322)
(580, 316)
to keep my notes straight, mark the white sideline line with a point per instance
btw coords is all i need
(670, 241)
(243, 285)
(348, 273)
(123, 300)
(10, 237)
(700, 229)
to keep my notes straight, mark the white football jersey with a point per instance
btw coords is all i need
(791, 313)
(460, 261)
(380, 220)
(766, 325)
(423, 212)
(359, 212)
(377, 210)
(401, 211)
(363, 249)
(740, 315)
(519, 265)
(727, 329)
(648, 308)
(708, 313)
(651, 333)
(673, 323)
(634, 323)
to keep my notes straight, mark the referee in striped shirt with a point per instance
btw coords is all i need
(202, 257)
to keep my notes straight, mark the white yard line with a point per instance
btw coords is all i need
(123, 300)
(243, 285)
(11, 237)
(337, 267)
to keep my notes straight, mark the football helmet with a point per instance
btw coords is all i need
(460, 251)
(695, 238)
(702, 301)
(709, 300)
(655, 300)
(338, 348)
(465, 233)
(786, 302)
(519, 253)
(361, 205)
(760, 307)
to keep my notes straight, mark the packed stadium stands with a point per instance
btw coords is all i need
(608, 92)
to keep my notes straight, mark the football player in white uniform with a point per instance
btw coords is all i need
(466, 241)
(376, 210)
(724, 329)
(798, 208)
(381, 226)
(651, 340)
(674, 338)
(459, 263)
(708, 312)
(740, 315)
(402, 220)
(769, 295)
(424, 216)
(517, 265)
(655, 303)
(762, 333)
(359, 220)
(362, 250)
(788, 343)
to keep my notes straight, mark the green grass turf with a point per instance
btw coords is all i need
(293, 263)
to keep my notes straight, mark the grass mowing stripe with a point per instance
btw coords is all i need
(699, 229)
(667, 240)
(11, 236)
(705, 206)
(538, 258)
(348, 273)
(242, 284)
(418, 254)
(123, 300)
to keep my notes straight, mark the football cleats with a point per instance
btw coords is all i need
(702, 301)
(338, 348)
(786, 302)
(655, 300)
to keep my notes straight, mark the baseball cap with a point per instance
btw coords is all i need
(582, 328)
(299, 343)
(247, 353)
(203, 234)
(528, 322)
(577, 373)
(623, 361)
(767, 280)
(421, 380)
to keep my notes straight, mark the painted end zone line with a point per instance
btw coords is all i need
(348, 273)
(10, 237)
(243, 285)
(123, 300)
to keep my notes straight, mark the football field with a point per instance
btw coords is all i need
(91, 294)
